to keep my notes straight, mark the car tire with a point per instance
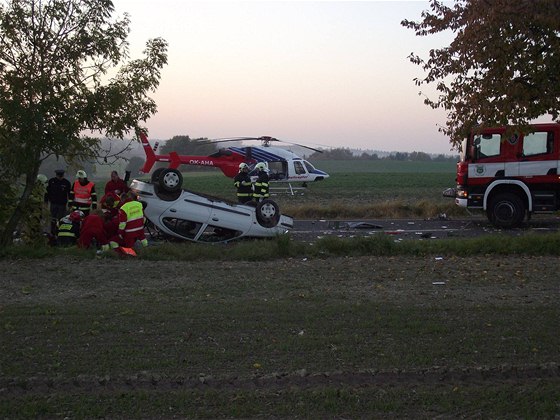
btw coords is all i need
(268, 213)
(155, 175)
(506, 210)
(170, 180)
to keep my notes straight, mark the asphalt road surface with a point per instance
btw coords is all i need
(401, 229)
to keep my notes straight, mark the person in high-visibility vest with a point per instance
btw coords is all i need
(261, 184)
(243, 183)
(82, 195)
(131, 224)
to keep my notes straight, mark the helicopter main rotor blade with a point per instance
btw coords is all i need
(228, 139)
(297, 144)
(264, 139)
(268, 139)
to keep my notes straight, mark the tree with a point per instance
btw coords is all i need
(400, 156)
(340, 153)
(502, 68)
(134, 165)
(55, 59)
(184, 145)
(419, 157)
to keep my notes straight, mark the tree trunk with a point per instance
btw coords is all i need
(7, 235)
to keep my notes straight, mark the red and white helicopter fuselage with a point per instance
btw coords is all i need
(283, 165)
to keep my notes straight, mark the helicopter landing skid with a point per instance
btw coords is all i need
(289, 189)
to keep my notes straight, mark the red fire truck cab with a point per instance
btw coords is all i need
(510, 176)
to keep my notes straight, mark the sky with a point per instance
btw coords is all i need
(319, 73)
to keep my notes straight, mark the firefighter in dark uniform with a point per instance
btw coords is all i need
(261, 184)
(243, 183)
(58, 192)
(69, 229)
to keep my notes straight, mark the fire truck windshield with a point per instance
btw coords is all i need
(487, 145)
(463, 151)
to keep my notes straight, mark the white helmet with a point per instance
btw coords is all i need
(81, 174)
(243, 165)
(261, 166)
(42, 178)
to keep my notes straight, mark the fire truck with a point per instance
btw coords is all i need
(509, 176)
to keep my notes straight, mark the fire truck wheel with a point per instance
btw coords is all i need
(268, 213)
(506, 210)
(170, 180)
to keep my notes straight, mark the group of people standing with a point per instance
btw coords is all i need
(77, 220)
(248, 190)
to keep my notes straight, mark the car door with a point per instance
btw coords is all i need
(231, 216)
(538, 157)
(187, 216)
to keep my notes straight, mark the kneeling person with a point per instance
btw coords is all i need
(131, 224)
(93, 229)
(68, 229)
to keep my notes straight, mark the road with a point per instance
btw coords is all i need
(417, 228)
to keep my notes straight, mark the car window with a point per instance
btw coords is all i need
(182, 227)
(218, 234)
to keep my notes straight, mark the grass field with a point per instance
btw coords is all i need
(348, 178)
(385, 166)
(368, 328)
(354, 189)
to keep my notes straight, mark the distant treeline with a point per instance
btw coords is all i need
(347, 154)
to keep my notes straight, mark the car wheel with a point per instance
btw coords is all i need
(170, 180)
(506, 210)
(268, 213)
(155, 175)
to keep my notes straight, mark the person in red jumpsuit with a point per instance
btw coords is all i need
(110, 201)
(93, 229)
(116, 185)
(111, 215)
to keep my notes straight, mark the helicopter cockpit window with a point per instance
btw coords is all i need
(185, 228)
(309, 166)
(218, 234)
(299, 168)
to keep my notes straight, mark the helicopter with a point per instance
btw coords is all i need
(284, 166)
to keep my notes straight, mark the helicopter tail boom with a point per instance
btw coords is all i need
(150, 154)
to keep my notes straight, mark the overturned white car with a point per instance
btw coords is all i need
(182, 214)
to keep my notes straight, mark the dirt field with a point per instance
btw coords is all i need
(344, 337)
